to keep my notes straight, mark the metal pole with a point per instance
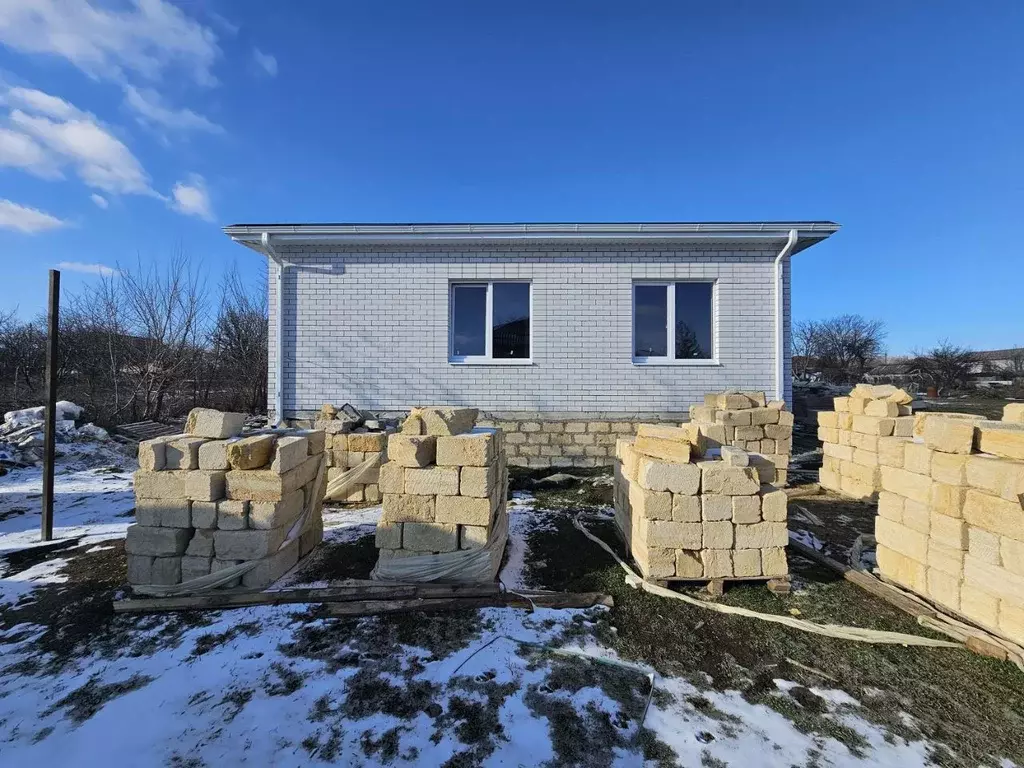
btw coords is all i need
(46, 524)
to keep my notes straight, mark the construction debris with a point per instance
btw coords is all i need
(21, 434)
(352, 441)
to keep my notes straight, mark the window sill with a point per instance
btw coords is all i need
(685, 363)
(490, 362)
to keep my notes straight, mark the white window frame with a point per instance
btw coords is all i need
(486, 358)
(670, 297)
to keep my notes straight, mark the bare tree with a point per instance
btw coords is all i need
(841, 347)
(806, 346)
(239, 344)
(947, 366)
(1015, 365)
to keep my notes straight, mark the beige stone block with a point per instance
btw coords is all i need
(916, 516)
(1011, 620)
(944, 588)
(983, 545)
(717, 563)
(367, 442)
(316, 440)
(689, 564)
(714, 507)
(355, 493)
(860, 473)
(947, 499)
(845, 437)
(1001, 438)
(949, 468)
(946, 559)
(194, 567)
(412, 450)
(733, 401)
(746, 509)
(828, 435)
(873, 425)
(998, 477)
(197, 485)
(890, 506)
(289, 451)
(949, 435)
(836, 451)
(779, 431)
(233, 515)
(844, 420)
(773, 561)
(686, 509)
(994, 579)
(890, 451)
(430, 537)
(902, 569)
(266, 485)
(903, 426)
(746, 563)
(734, 418)
(979, 605)
(478, 481)
(865, 458)
(717, 478)
(908, 484)
(734, 457)
(750, 433)
(213, 424)
(1011, 552)
(432, 481)
(917, 458)
(204, 514)
(862, 442)
(856, 488)
(473, 536)
(182, 453)
(826, 419)
(994, 514)
(463, 510)
(391, 478)
(764, 416)
(475, 449)
(213, 455)
(404, 508)
(388, 536)
(153, 454)
(672, 535)
(829, 479)
(922, 419)
(775, 446)
(902, 539)
(858, 404)
(841, 404)
(653, 505)
(882, 408)
(250, 452)
(264, 515)
(761, 536)
(948, 531)
(664, 449)
(248, 545)
(1014, 412)
(446, 421)
(658, 475)
(372, 493)
(717, 535)
(773, 505)
(655, 562)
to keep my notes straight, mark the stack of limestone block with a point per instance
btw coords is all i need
(745, 420)
(212, 498)
(347, 448)
(950, 523)
(687, 518)
(865, 431)
(445, 484)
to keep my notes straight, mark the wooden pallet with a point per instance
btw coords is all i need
(147, 430)
(778, 585)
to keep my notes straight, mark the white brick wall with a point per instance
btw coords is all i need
(369, 326)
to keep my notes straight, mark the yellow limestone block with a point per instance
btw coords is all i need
(1001, 438)
(999, 477)
(994, 514)
(1014, 412)
(901, 569)
(885, 408)
(666, 443)
(949, 435)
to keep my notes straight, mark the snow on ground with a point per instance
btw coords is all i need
(285, 685)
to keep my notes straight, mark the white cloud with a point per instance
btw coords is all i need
(267, 62)
(90, 269)
(20, 151)
(62, 134)
(144, 37)
(29, 220)
(100, 200)
(151, 110)
(191, 198)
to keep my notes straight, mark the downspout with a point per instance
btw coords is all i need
(268, 249)
(779, 336)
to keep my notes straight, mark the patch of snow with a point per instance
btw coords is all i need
(522, 519)
(344, 525)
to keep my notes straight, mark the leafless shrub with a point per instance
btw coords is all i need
(840, 348)
(947, 366)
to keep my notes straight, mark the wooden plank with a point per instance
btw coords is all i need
(50, 413)
(550, 600)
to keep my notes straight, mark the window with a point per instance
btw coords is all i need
(673, 322)
(490, 322)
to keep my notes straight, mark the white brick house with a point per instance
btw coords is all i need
(595, 321)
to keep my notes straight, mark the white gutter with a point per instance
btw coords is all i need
(779, 340)
(271, 254)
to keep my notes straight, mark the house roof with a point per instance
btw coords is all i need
(808, 232)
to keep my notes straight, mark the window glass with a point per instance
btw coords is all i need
(511, 320)
(469, 320)
(693, 321)
(650, 320)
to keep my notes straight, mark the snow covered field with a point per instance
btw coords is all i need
(290, 685)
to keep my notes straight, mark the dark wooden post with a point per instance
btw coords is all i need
(50, 424)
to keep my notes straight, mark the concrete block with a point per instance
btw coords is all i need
(391, 478)
(412, 450)
(994, 514)
(655, 475)
(907, 484)
(474, 449)
(478, 482)
(979, 605)
(998, 477)
(430, 537)
(746, 563)
(463, 510)
(250, 452)
(248, 545)
(717, 563)
(983, 545)
(195, 567)
(761, 536)
(902, 569)
(289, 451)
(902, 539)
(272, 568)
(715, 508)
(264, 515)
(1001, 438)
(746, 509)
(233, 515)
(201, 543)
(473, 536)
(267, 485)
(212, 424)
(773, 562)
(156, 542)
(686, 509)
(672, 535)
(716, 478)
(140, 569)
(653, 505)
(689, 564)
(946, 559)
(717, 535)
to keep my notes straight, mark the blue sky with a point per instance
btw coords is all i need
(130, 130)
